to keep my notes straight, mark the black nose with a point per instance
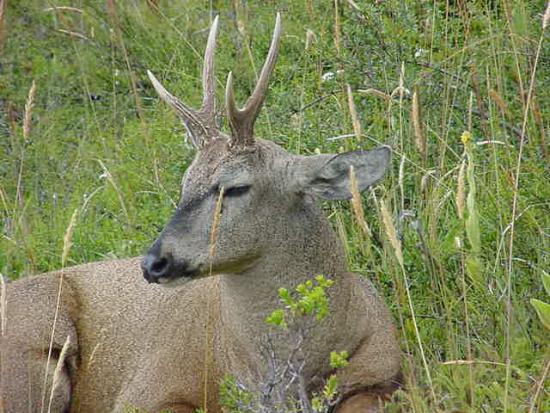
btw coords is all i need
(155, 267)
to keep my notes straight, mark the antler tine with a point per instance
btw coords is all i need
(242, 120)
(190, 117)
(200, 124)
(208, 80)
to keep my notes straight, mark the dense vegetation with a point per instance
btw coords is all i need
(471, 215)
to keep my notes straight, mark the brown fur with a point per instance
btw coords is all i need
(152, 347)
(136, 344)
(144, 345)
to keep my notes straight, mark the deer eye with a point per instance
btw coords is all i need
(236, 190)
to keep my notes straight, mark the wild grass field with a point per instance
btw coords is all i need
(459, 89)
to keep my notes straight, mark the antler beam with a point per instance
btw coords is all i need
(242, 120)
(201, 123)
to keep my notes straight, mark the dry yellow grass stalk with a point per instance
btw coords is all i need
(67, 243)
(461, 190)
(50, 347)
(68, 238)
(57, 371)
(391, 233)
(499, 101)
(3, 4)
(3, 199)
(470, 110)
(353, 112)
(29, 104)
(73, 34)
(310, 38)
(517, 175)
(401, 180)
(354, 5)
(401, 87)
(337, 27)
(215, 223)
(356, 203)
(212, 252)
(419, 137)
(64, 8)
(543, 144)
(154, 5)
(542, 380)
(467, 362)
(375, 92)
(546, 17)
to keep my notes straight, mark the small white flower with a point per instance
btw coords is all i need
(327, 76)
(419, 53)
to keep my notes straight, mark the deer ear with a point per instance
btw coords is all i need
(328, 176)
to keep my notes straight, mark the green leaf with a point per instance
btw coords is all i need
(317, 404)
(284, 294)
(331, 387)
(543, 311)
(472, 228)
(277, 318)
(338, 360)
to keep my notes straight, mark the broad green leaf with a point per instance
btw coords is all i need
(472, 227)
(543, 311)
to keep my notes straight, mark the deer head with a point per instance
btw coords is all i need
(266, 194)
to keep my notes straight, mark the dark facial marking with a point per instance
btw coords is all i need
(237, 191)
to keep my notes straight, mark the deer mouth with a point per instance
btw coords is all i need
(178, 278)
(174, 282)
(166, 270)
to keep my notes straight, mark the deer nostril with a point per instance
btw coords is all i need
(159, 266)
(155, 267)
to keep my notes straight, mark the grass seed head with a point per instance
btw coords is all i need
(29, 104)
(356, 203)
(354, 116)
(391, 233)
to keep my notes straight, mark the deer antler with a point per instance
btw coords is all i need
(242, 120)
(200, 124)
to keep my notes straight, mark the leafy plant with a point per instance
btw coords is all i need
(282, 388)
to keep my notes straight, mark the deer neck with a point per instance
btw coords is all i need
(248, 297)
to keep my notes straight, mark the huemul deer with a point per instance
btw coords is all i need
(133, 343)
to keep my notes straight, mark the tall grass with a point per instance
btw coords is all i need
(472, 227)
